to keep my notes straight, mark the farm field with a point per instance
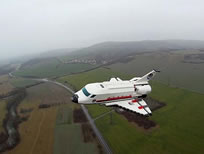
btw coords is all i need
(5, 85)
(51, 68)
(2, 113)
(175, 133)
(37, 133)
(174, 71)
(50, 130)
(68, 135)
(97, 75)
(179, 128)
(21, 82)
(96, 110)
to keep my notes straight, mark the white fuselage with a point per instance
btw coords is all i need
(110, 91)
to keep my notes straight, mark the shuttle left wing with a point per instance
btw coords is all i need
(135, 105)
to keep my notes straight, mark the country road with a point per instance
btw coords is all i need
(91, 121)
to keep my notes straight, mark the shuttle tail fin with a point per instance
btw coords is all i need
(147, 77)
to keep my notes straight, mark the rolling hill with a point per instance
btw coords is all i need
(113, 51)
(181, 61)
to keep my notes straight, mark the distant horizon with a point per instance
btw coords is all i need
(64, 48)
(35, 26)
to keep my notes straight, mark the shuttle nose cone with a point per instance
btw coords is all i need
(74, 98)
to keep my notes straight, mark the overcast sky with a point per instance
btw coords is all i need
(28, 26)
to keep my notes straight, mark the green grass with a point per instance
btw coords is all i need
(64, 116)
(96, 110)
(97, 75)
(180, 123)
(20, 82)
(2, 114)
(68, 135)
(51, 68)
(173, 70)
(180, 126)
(69, 139)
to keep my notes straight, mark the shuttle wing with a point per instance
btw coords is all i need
(135, 105)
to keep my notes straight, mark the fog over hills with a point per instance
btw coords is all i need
(147, 45)
(31, 27)
(117, 50)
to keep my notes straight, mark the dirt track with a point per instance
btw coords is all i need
(38, 133)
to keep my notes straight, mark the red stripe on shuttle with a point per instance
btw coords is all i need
(114, 98)
(140, 107)
(134, 100)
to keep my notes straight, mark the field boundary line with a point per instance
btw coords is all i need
(38, 133)
(103, 114)
(91, 121)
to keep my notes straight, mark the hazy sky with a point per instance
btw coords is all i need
(28, 26)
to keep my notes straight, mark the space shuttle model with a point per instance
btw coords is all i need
(127, 94)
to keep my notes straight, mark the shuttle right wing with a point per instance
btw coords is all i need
(135, 105)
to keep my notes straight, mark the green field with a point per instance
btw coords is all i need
(68, 139)
(2, 114)
(180, 123)
(180, 127)
(37, 132)
(68, 135)
(97, 75)
(5, 85)
(50, 130)
(64, 115)
(173, 71)
(21, 82)
(96, 110)
(51, 68)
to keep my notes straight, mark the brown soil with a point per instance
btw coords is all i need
(79, 116)
(87, 132)
(89, 136)
(3, 137)
(47, 104)
(140, 120)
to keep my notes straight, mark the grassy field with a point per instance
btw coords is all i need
(2, 113)
(50, 130)
(64, 115)
(21, 82)
(51, 68)
(180, 127)
(180, 123)
(97, 75)
(96, 110)
(5, 85)
(68, 135)
(173, 71)
(37, 133)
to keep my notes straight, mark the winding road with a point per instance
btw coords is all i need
(91, 121)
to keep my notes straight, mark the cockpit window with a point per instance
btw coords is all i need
(85, 92)
(93, 96)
